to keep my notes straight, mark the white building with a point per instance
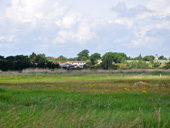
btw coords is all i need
(156, 57)
(99, 61)
(79, 64)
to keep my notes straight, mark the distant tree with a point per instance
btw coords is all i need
(156, 65)
(33, 57)
(162, 58)
(94, 57)
(1, 57)
(72, 59)
(148, 58)
(119, 57)
(138, 58)
(62, 58)
(83, 58)
(138, 64)
(167, 65)
(40, 57)
(107, 61)
(84, 53)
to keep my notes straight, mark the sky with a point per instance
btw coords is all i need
(66, 27)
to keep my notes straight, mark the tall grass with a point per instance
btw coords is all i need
(61, 118)
(82, 100)
(58, 108)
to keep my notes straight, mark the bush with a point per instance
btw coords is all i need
(156, 65)
(167, 65)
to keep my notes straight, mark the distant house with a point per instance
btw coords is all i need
(76, 64)
(66, 66)
(57, 62)
(99, 61)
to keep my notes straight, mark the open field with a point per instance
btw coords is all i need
(85, 100)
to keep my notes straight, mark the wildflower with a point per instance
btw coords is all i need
(61, 88)
(93, 85)
(144, 88)
(19, 86)
(106, 90)
(29, 88)
(126, 89)
(144, 91)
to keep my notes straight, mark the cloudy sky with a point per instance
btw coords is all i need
(65, 27)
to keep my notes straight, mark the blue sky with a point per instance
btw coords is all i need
(66, 27)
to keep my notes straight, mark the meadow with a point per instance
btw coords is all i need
(81, 100)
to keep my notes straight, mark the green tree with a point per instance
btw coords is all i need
(148, 58)
(107, 61)
(83, 58)
(167, 65)
(162, 58)
(33, 57)
(94, 57)
(156, 65)
(119, 57)
(62, 58)
(84, 53)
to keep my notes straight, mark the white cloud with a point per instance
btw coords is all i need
(2, 38)
(81, 35)
(150, 43)
(123, 11)
(8, 39)
(160, 6)
(69, 20)
(32, 10)
(47, 24)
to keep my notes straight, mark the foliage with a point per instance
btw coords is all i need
(21, 62)
(83, 55)
(94, 57)
(162, 58)
(148, 58)
(107, 61)
(62, 58)
(156, 64)
(167, 65)
(138, 64)
(109, 58)
(137, 58)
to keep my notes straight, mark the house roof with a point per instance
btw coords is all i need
(57, 62)
(74, 61)
(99, 60)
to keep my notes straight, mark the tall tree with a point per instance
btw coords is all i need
(84, 53)
(148, 58)
(33, 57)
(62, 58)
(94, 57)
(107, 60)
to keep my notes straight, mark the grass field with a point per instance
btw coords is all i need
(81, 100)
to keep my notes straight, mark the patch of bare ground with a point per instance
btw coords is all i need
(168, 84)
(141, 83)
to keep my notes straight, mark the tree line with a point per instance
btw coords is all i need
(20, 62)
(110, 60)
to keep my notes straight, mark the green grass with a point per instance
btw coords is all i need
(79, 100)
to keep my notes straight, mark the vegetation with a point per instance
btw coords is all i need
(21, 62)
(85, 100)
(110, 61)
